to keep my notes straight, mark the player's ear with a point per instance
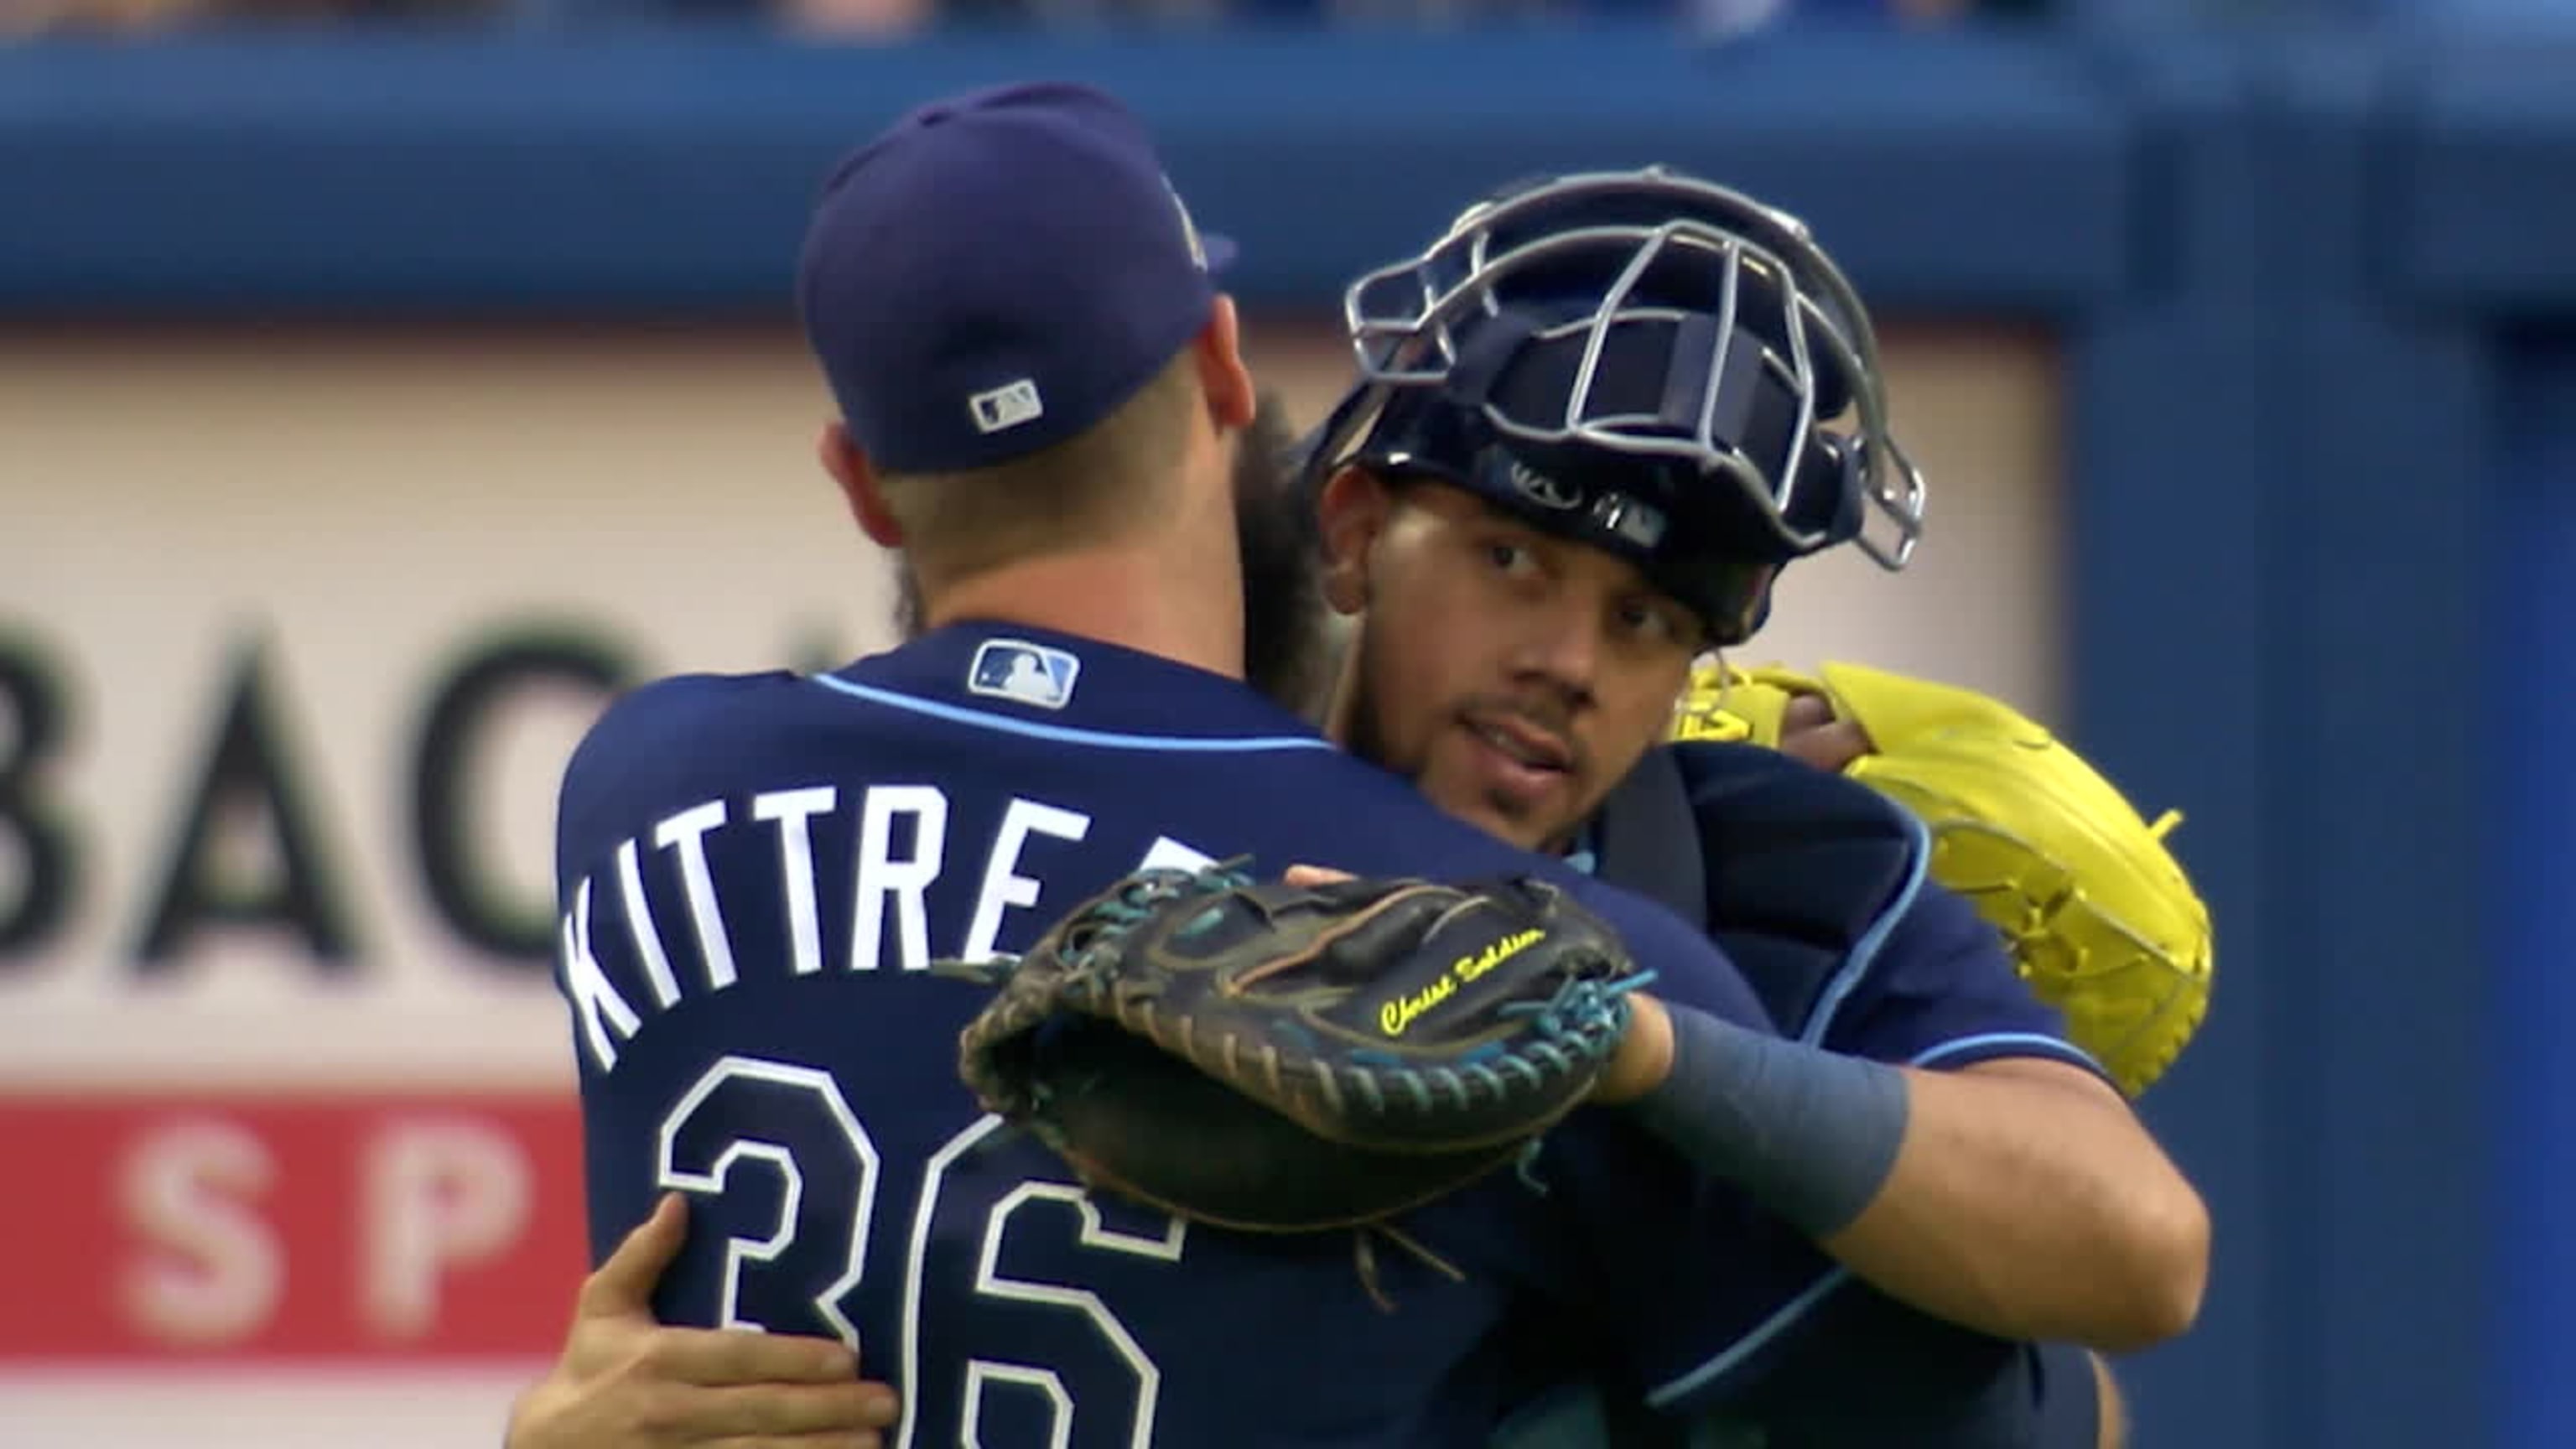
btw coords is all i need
(1223, 377)
(849, 467)
(1350, 513)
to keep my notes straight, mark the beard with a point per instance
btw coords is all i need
(909, 620)
(907, 601)
(1287, 638)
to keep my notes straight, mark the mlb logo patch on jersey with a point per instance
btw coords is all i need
(1023, 673)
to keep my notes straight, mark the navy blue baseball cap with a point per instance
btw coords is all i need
(996, 273)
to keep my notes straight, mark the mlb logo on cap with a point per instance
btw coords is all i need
(1007, 406)
(1023, 673)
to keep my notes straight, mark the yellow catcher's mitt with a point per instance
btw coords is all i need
(2100, 917)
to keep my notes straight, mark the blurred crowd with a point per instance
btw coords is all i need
(897, 19)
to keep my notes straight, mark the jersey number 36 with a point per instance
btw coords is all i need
(816, 1155)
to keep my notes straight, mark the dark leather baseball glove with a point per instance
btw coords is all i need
(1285, 1059)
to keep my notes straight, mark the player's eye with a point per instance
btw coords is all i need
(1653, 621)
(1510, 558)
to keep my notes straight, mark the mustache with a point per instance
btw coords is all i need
(1538, 715)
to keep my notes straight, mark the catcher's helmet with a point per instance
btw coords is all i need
(1644, 361)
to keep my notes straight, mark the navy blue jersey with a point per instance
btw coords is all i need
(755, 870)
(1818, 887)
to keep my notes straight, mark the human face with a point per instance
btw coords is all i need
(1512, 675)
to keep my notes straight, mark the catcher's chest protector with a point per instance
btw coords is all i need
(1789, 868)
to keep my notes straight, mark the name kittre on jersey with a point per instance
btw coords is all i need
(902, 847)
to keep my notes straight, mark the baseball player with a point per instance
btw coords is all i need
(1039, 388)
(1496, 521)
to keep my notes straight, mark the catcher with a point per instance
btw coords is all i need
(1519, 698)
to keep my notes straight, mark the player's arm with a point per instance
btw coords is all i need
(627, 1382)
(2017, 1194)
(2028, 1201)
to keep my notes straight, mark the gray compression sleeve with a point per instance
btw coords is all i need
(1810, 1133)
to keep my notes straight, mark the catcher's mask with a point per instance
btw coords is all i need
(1644, 362)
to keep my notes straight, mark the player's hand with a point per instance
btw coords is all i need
(626, 1381)
(1809, 732)
(1643, 1058)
